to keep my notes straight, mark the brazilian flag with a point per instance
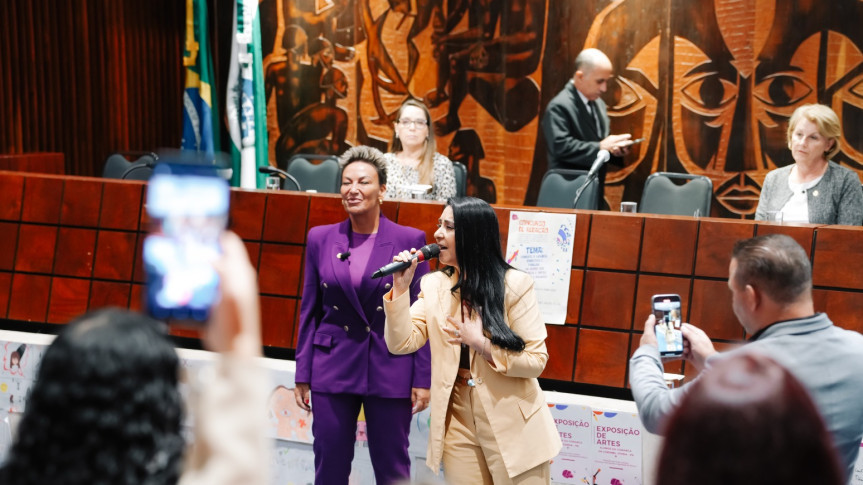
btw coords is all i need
(199, 101)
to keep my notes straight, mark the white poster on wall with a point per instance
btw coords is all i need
(540, 244)
(574, 463)
(617, 440)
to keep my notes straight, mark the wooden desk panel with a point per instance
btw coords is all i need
(79, 249)
(615, 241)
(669, 245)
(716, 238)
(838, 257)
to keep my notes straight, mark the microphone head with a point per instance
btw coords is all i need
(603, 156)
(265, 169)
(430, 251)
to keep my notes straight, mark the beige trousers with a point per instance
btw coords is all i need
(470, 452)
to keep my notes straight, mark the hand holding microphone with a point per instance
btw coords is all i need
(404, 265)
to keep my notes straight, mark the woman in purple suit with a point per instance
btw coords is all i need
(342, 358)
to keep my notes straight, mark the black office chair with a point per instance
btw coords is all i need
(559, 187)
(120, 165)
(460, 178)
(316, 172)
(662, 196)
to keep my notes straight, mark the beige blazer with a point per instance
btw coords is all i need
(509, 392)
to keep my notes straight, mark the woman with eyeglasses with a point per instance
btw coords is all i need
(414, 159)
(490, 423)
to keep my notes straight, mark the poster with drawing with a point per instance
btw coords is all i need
(540, 244)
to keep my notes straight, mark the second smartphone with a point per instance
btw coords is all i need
(666, 309)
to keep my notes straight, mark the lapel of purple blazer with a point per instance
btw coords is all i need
(341, 269)
(381, 256)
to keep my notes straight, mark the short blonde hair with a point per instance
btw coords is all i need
(824, 118)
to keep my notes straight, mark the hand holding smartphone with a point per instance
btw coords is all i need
(669, 337)
(189, 212)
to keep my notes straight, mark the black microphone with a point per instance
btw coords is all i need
(425, 253)
(601, 157)
(271, 170)
(344, 256)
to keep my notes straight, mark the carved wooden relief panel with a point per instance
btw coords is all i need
(710, 84)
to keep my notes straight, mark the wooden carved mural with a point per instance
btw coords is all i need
(710, 84)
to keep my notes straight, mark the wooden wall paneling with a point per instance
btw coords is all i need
(36, 247)
(139, 275)
(668, 245)
(5, 290)
(248, 208)
(29, 298)
(115, 255)
(82, 202)
(843, 307)
(581, 238)
(286, 217)
(711, 310)
(109, 293)
(121, 205)
(601, 357)
(280, 267)
(421, 215)
(716, 238)
(42, 199)
(325, 209)
(573, 304)
(838, 257)
(277, 321)
(804, 234)
(69, 299)
(615, 241)
(8, 245)
(75, 250)
(561, 352)
(608, 299)
(11, 195)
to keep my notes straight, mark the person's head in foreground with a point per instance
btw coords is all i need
(105, 407)
(747, 420)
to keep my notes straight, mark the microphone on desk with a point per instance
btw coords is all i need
(601, 158)
(425, 253)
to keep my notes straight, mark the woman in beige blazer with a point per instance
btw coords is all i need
(489, 419)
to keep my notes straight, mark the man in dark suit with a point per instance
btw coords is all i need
(576, 125)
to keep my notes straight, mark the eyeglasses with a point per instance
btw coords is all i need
(413, 123)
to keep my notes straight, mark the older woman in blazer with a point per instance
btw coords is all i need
(813, 189)
(342, 359)
(489, 418)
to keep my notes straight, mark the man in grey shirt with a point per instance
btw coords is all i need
(770, 278)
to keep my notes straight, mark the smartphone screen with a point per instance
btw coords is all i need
(189, 213)
(666, 309)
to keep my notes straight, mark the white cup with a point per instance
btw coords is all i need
(631, 207)
(274, 182)
(774, 216)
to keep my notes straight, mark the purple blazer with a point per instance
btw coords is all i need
(341, 347)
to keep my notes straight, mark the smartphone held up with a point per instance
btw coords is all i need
(189, 213)
(669, 338)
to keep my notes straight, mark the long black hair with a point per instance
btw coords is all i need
(482, 268)
(105, 408)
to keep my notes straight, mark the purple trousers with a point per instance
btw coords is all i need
(335, 425)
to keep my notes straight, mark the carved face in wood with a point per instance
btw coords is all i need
(727, 79)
